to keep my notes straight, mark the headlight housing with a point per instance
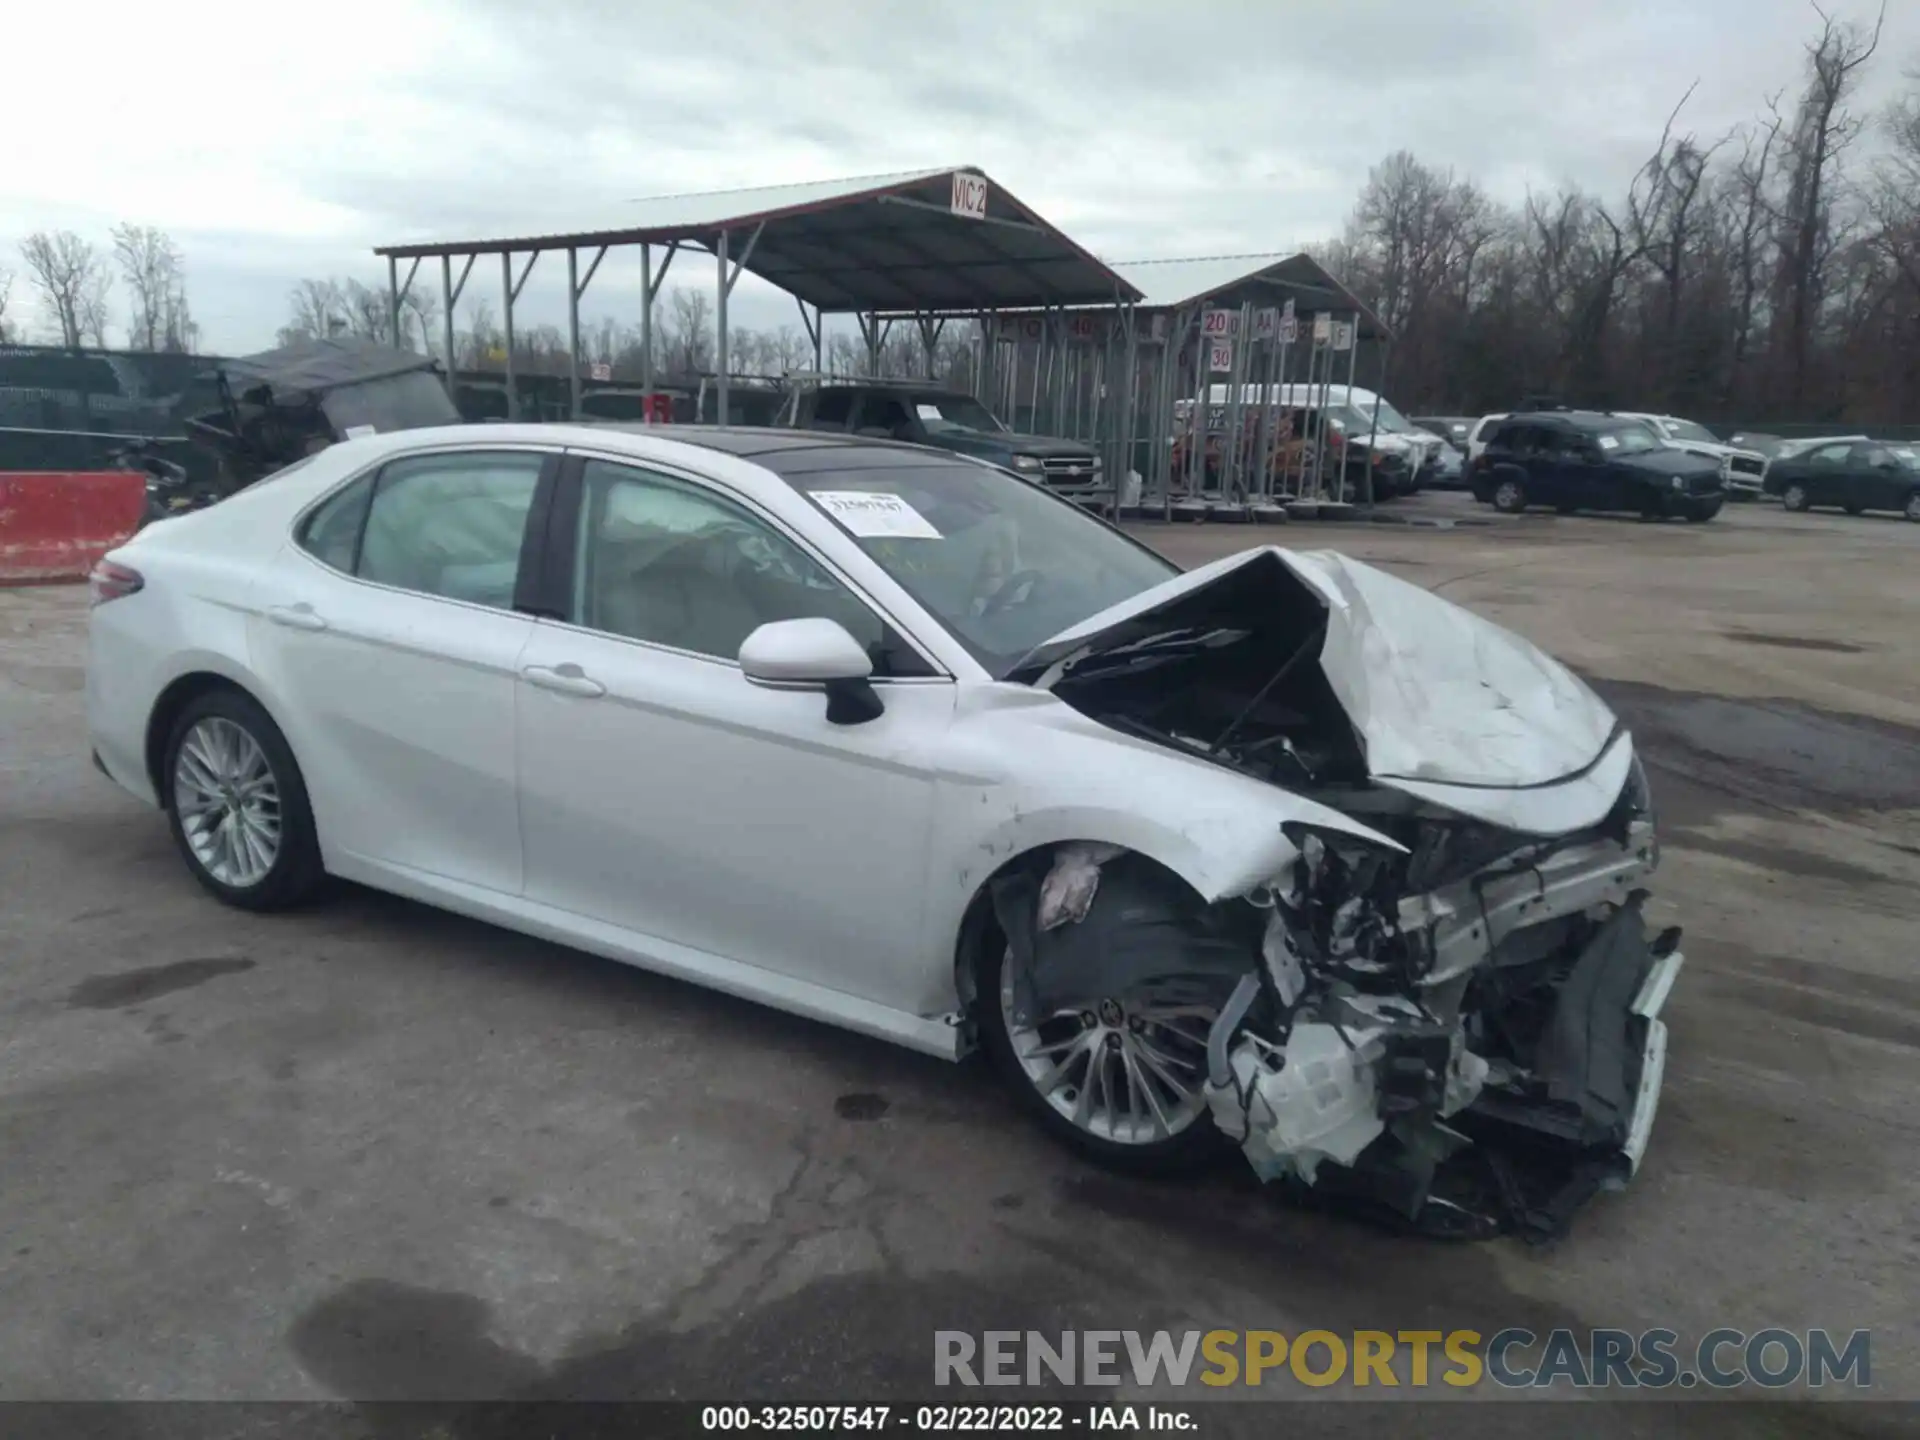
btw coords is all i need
(1679, 482)
(1026, 462)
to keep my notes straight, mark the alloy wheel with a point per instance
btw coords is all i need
(1795, 498)
(1130, 1069)
(228, 801)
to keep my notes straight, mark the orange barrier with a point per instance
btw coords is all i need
(55, 523)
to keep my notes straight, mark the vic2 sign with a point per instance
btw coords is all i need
(970, 196)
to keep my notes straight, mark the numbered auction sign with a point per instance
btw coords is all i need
(1215, 324)
(1266, 324)
(1219, 355)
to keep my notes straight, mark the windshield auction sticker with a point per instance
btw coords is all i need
(871, 515)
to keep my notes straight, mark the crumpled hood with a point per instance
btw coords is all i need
(1436, 693)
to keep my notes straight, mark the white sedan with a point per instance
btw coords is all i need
(1283, 851)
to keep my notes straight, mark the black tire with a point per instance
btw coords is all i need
(1565, 509)
(1704, 510)
(1194, 1149)
(1854, 509)
(1794, 498)
(1509, 492)
(296, 873)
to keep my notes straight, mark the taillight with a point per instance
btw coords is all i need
(108, 581)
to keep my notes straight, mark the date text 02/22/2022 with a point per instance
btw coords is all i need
(949, 1419)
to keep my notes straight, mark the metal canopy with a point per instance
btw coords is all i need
(1270, 278)
(888, 243)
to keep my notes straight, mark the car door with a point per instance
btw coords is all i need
(1875, 479)
(387, 641)
(663, 793)
(1825, 474)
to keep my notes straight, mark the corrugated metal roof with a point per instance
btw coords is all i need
(1172, 284)
(665, 217)
(878, 242)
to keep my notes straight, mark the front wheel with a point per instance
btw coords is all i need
(1794, 497)
(1510, 495)
(1122, 1080)
(237, 805)
(1703, 510)
(1912, 510)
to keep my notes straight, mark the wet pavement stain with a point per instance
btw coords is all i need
(124, 988)
(1724, 754)
(1794, 642)
(860, 1105)
(1787, 861)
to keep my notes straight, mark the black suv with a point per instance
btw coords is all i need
(946, 420)
(1581, 460)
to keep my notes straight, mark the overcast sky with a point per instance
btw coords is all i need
(276, 141)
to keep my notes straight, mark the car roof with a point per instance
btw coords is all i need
(784, 450)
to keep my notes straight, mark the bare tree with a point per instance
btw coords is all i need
(6, 294)
(153, 269)
(71, 281)
(689, 331)
(1823, 129)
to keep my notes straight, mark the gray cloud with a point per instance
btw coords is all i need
(1144, 128)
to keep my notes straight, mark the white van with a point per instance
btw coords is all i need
(1352, 411)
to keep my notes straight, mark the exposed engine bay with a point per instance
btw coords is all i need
(1455, 1020)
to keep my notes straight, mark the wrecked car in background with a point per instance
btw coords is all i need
(1283, 853)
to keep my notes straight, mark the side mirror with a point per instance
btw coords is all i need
(802, 654)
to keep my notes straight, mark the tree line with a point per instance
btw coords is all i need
(1772, 272)
(73, 279)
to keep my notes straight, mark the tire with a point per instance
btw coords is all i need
(1794, 498)
(1705, 510)
(223, 740)
(1912, 507)
(1509, 494)
(1564, 509)
(1194, 1148)
(1854, 509)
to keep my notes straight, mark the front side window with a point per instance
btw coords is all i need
(1830, 455)
(670, 563)
(451, 525)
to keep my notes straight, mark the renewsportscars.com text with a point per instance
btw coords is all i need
(1512, 1358)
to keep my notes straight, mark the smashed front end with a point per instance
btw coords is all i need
(1453, 1015)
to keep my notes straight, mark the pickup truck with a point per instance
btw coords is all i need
(947, 420)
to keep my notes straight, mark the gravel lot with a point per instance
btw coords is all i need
(376, 1152)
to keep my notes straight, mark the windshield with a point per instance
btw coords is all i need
(998, 561)
(1627, 440)
(393, 402)
(956, 412)
(1391, 420)
(1687, 430)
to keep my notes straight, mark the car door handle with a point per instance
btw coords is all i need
(296, 617)
(565, 679)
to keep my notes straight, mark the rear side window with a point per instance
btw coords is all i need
(450, 525)
(834, 407)
(332, 533)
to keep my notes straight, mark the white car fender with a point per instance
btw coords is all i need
(1024, 770)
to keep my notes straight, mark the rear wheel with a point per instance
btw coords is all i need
(1121, 1080)
(1794, 497)
(1853, 507)
(1509, 494)
(237, 805)
(1912, 510)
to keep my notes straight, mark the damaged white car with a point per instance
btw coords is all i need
(1283, 852)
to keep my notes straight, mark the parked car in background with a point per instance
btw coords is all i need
(945, 419)
(1586, 460)
(1742, 469)
(1855, 475)
(1478, 435)
(1453, 429)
